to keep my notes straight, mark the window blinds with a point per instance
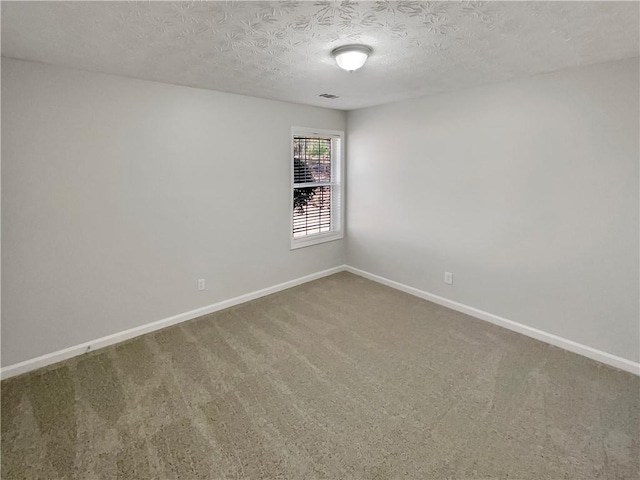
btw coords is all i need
(313, 186)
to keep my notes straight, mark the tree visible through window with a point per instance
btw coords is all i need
(315, 186)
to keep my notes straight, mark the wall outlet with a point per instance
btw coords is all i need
(201, 284)
(448, 278)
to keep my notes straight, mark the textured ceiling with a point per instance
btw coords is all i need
(280, 50)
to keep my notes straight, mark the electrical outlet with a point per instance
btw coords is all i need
(201, 284)
(448, 278)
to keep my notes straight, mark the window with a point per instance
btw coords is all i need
(316, 186)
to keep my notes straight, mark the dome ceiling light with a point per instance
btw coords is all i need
(351, 57)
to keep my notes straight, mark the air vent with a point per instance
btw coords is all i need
(328, 95)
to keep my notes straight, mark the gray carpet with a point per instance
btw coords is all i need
(338, 378)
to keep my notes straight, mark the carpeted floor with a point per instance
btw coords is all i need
(340, 378)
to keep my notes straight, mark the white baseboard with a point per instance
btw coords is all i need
(600, 356)
(54, 357)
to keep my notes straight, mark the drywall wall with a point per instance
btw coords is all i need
(119, 194)
(526, 191)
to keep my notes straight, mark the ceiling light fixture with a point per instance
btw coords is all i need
(351, 57)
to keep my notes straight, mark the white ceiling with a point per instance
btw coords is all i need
(281, 50)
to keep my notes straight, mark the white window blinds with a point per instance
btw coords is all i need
(316, 188)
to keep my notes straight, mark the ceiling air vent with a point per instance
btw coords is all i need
(328, 95)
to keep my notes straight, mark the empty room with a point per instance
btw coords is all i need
(320, 240)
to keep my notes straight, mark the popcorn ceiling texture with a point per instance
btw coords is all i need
(340, 378)
(281, 50)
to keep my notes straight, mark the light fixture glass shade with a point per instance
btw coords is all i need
(351, 57)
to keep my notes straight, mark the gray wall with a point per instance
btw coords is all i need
(118, 194)
(527, 191)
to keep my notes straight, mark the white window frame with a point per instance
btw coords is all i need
(337, 212)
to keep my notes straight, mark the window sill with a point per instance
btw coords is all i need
(315, 239)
